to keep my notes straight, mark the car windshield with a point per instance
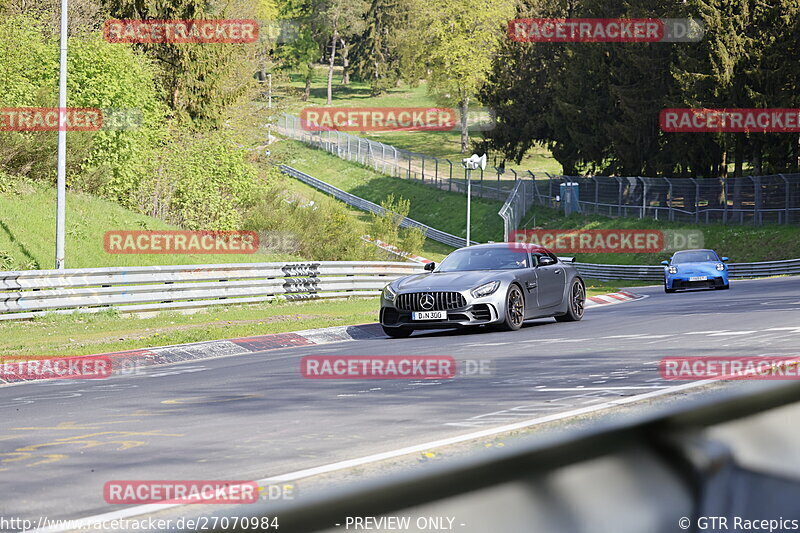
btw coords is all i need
(483, 259)
(698, 256)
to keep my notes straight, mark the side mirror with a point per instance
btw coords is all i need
(430, 266)
(546, 260)
(724, 258)
(665, 263)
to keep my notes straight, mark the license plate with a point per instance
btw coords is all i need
(429, 315)
(698, 278)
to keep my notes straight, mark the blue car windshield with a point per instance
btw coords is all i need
(484, 259)
(700, 256)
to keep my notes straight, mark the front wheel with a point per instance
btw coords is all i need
(723, 287)
(667, 289)
(576, 304)
(515, 309)
(397, 333)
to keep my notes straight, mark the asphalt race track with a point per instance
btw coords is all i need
(254, 416)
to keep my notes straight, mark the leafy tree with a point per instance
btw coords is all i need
(200, 81)
(451, 43)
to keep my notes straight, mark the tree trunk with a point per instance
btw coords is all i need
(345, 48)
(463, 108)
(334, 38)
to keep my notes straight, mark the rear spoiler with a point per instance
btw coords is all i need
(567, 259)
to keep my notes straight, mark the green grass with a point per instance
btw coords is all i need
(440, 209)
(87, 334)
(740, 243)
(441, 144)
(59, 335)
(27, 233)
(595, 287)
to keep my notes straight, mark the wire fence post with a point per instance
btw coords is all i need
(450, 176)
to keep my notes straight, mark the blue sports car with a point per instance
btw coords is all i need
(695, 269)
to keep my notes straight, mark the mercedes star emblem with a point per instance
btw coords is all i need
(426, 302)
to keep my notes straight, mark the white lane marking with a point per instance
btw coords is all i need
(731, 333)
(652, 337)
(703, 332)
(480, 344)
(623, 336)
(784, 329)
(570, 389)
(360, 461)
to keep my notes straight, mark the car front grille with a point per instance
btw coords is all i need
(442, 301)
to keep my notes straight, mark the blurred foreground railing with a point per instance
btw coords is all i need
(732, 453)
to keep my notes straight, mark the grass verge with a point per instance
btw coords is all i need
(60, 335)
(437, 208)
(27, 233)
(740, 243)
(87, 334)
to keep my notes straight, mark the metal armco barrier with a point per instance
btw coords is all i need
(366, 205)
(656, 272)
(26, 294)
(729, 453)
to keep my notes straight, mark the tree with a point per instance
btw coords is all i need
(201, 81)
(375, 56)
(340, 20)
(451, 43)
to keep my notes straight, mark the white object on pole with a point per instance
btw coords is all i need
(469, 201)
(471, 163)
(61, 194)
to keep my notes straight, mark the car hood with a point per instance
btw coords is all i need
(697, 268)
(448, 281)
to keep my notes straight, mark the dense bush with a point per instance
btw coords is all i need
(198, 181)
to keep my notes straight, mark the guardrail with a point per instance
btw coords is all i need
(31, 293)
(669, 469)
(656, 272)
(366, 205)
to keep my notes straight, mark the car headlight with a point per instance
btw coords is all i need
(720, 267)
(673, 270)
(485, 290)
(388, 294)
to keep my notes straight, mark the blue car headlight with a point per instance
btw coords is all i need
(720, 267)
(485, 290)
(673, 270)
(388, 294)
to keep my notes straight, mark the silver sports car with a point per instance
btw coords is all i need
(500, 284)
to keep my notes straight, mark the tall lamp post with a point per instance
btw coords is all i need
(471, 163)
(61, 195)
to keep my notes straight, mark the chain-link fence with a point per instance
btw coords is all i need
(386, 159)
(745, 200)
